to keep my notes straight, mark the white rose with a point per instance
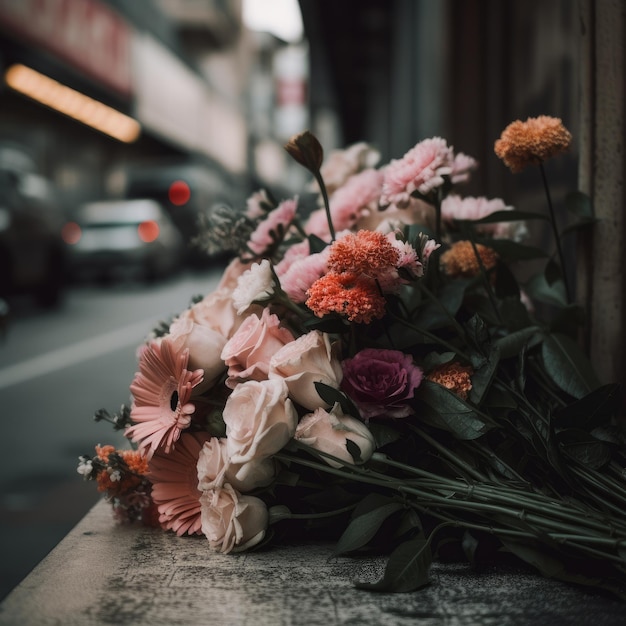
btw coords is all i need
(215, 469)
(302, 363)
(330, 432)
(230, 521)
(260, 419)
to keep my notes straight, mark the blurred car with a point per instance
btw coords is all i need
(32, 253)
(116, 237)
(186, 189)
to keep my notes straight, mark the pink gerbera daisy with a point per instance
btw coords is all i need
(174, 478)
(161, 391)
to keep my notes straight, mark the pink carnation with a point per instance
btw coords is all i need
(461, 167)
(421, 169)
(341, 164)
(302, 273)
(357, 197)
(456, 208)
(265, 236)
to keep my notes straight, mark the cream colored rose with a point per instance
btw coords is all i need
(205, 346)
(230, 521)
(215, 469)
(260, 419)
(329, 432)
(302, 363)
(248, 352)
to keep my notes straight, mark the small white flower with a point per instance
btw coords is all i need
(114, 475)
(255, 284)
(85, 467)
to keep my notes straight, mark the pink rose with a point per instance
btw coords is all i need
(248, 352)
(381, 382)
(260, 419)
(215, 469)
(302, 363)
(232, 522)
(204, 345)
(330, 433)
(232, 273)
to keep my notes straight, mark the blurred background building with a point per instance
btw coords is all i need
(198, 84)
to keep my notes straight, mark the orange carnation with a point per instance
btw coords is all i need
(460, 259)
(532, 142)
(365, 252)
(453, 376)
(353, 295)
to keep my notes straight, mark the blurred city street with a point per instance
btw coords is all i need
(56, 369)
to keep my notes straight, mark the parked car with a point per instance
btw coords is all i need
(186, 190)
(32, 253)
(114, 237)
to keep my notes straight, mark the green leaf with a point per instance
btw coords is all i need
(568, 366)
(513, 251)
(316, 244)
(433, 359)
(330, 395)
(362, 529)
(553, 567)
(333, 324)
(579, 204)
(407, 568)
(583, 447)
(592, 410)
(509, 216)
(383, 433)
(581, 224)
(539, 289)
(450, 297)
(511, 344)
(445, 410)
(482, 378)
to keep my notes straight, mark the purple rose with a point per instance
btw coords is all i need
(380, 382)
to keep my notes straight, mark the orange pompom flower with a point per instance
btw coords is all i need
(453, 376)
(460, 260)
(352, 295)
(365, 252)
(532, 142)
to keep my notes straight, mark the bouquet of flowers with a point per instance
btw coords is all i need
(375, 372)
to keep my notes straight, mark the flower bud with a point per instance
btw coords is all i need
(306, 150)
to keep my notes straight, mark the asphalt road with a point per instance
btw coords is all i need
(56, 369)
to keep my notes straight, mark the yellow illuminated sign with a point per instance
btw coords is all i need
(72, 103)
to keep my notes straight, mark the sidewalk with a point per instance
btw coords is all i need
(102, 573)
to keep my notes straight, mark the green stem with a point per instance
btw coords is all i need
(485, 277)
(555, 230)
(332, 513)
(445, 452)
(428, 335)
(459, 329)
(322, 186)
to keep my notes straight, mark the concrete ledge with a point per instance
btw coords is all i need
(103, 573)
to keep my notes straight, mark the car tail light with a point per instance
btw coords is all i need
(179, 193)
(71, 233)
(148, 231)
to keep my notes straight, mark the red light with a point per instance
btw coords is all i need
(179, 193)
(71, 233)
(148, 231)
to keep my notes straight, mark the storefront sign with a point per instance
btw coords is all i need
(86, 34)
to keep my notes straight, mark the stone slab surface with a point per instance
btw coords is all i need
(103, 573)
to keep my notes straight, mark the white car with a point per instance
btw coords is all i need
(115, 237)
